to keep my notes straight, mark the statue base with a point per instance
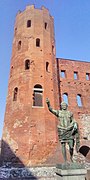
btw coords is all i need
(70, 171)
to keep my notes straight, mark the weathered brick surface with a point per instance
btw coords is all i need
(72, 87)
(30, 133)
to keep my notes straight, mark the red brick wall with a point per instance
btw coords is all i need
(73, 87)
(30, 131)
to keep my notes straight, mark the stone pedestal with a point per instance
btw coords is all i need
(70, 173)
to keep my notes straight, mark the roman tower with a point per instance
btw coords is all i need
(30, 132)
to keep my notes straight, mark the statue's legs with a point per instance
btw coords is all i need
(71, 146)
(64, 151)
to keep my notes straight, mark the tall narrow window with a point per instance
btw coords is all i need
(37, 42)
(88, 76)
(28, 23)
(11, 71)
(27, 64)
(53, 48)
(65, 98)
(75, 75)
(15, 94)
(63, 74)
(45, 25)
(19, 45)
(79, 100)
(38, 96)
(47, 66)
(15, 31)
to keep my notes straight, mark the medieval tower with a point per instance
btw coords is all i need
(29, 129)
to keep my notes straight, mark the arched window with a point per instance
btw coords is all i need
(47, 66)
(27, 64)
(37, 42)
(65, 98)
(19, 45)
(15, 94)
(28, 23)
(38, 95)
(79, 100)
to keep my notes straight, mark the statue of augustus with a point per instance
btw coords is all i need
(67, 129)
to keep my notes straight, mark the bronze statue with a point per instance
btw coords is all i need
(67, 129)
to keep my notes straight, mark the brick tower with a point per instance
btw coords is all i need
(29, 132)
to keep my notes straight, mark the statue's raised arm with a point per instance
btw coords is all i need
(55, 112)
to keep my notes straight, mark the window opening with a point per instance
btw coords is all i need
(15, 94)
(19, 45)
(45, 25)
(79, 100)
(88, 76)
(27, 64)
(38, 96)
(15, 30)
(11, 71)
(28, 23)
(52, 48)
(47, 66)
(37, 42)
(85, 149)
(63, 74)
(65, 98)
(75, 75)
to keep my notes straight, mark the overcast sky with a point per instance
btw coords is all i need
(72, 34)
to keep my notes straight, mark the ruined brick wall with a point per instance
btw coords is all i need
(29, 132)
(85, 120)
(74, 79)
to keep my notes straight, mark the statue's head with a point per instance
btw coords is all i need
(64, 105)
